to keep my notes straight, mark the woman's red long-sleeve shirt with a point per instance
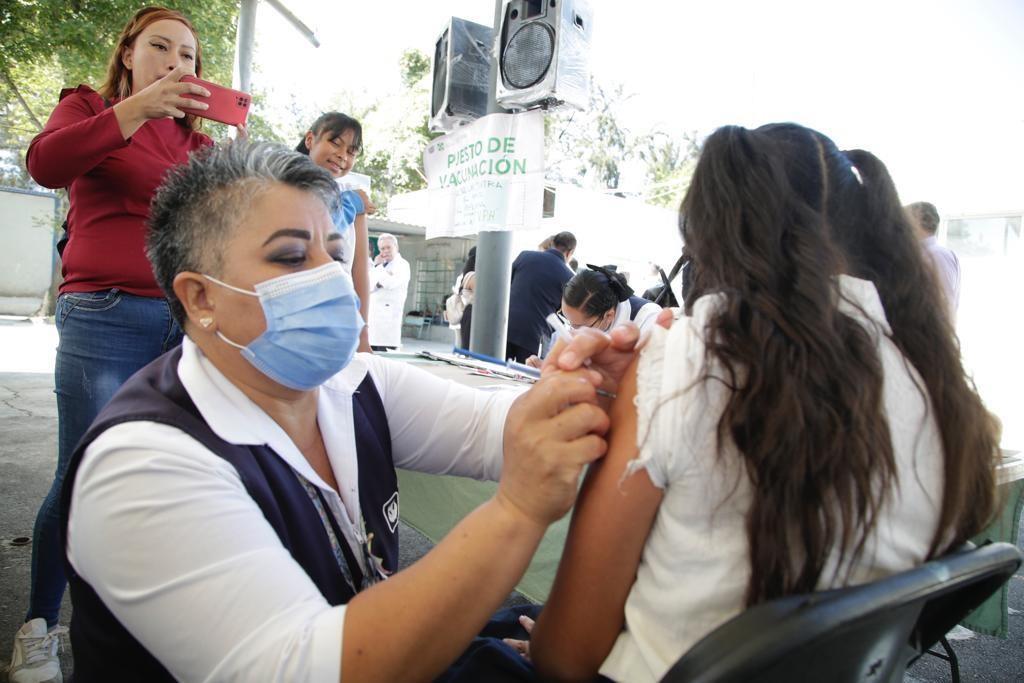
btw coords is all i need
(111, 182)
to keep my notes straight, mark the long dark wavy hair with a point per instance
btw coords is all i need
(771, 217)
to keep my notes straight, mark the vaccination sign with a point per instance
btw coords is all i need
(488, 175)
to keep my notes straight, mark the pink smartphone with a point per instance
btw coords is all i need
(226, 105)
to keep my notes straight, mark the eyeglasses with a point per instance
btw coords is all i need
(574, 326)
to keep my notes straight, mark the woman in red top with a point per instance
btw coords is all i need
(111, 149)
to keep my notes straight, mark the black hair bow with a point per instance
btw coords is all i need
(615, 281)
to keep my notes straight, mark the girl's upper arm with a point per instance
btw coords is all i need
(610, 524)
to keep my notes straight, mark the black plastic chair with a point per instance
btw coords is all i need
(871, 632)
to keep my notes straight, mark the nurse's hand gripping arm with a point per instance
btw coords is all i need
(552, 432)
(610, 354)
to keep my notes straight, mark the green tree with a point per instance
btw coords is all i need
(589, 148)
(414, 66)
(395, 133)
(669, 162)
(592, 149)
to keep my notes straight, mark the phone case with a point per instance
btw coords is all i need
(226, 105)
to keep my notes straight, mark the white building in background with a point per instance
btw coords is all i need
(27, 252)
(990, 320)
(984, 235)
(609, 229)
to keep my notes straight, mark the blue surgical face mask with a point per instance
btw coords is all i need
(313, 326)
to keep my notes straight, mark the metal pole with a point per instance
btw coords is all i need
(306, 31)
(493, 255)
(243, 52)
(247, 35)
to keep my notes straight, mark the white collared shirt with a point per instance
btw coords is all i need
(645, 317)
(165, 533)
(947, 268)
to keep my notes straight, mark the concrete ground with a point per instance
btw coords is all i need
(28, 447)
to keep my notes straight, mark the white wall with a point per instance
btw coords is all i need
(26, 249)
(990, 320)
(611, 230)
(608, 229)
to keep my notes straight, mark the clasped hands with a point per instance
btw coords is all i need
(558, 427)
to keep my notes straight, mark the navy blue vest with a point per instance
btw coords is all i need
(103, 649)
(635, 304)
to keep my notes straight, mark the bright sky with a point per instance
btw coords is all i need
(933, 87)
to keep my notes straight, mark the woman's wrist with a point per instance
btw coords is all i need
(129, 118)
(516, 517)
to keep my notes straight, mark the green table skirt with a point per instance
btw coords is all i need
(992, 617)
(433, 504)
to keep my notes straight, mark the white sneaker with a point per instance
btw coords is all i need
(35, 654)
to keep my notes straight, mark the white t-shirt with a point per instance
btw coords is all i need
(695, 565)
(348, 247)
(166, 534)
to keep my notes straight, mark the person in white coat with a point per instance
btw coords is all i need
(389, 283)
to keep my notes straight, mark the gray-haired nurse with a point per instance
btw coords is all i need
(232, 513)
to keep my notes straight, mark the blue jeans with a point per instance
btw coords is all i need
(489, 659)
(105, 337)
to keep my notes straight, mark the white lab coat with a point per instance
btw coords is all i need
(389, 284)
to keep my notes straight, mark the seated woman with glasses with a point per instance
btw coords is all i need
(599, 298)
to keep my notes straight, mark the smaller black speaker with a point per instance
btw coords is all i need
(544, 53)
(462, 57)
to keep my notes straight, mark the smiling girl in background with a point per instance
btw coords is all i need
(333, 142)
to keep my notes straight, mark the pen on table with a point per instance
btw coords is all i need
(523, 369)
(513, 365)
(478, 356)
(510, 364)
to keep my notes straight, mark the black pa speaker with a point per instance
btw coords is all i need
(544, 53)
(462, 62)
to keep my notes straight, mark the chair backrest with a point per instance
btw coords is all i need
(861, 633)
